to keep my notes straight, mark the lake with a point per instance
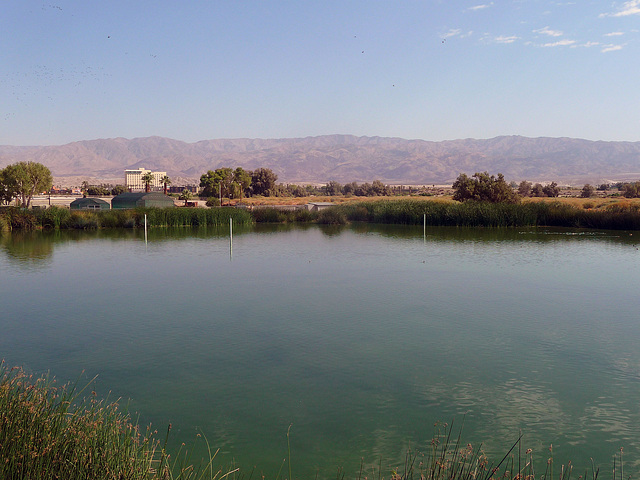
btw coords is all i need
(360, 338)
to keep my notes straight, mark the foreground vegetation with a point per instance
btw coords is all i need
(53, 432)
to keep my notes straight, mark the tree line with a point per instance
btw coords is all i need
(491, 188)
(483, 187)
(23, 180)
(238, 183)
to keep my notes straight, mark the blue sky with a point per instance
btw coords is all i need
(203, 69)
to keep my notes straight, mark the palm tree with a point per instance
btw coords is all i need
(147, 178)
(185, 195)
(165, 181)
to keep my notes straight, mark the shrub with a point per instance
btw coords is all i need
(332, 216)
(82, 220)
(303, 215)
(5, 224)
(588, 191)
(117, 219)
(54, 217)
(22, 219)
(483, 187)
(268, 215)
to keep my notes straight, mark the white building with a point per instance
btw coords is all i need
(133, 179)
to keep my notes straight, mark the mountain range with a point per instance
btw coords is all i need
(343, 158)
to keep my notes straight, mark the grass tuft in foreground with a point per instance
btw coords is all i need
(49, 432)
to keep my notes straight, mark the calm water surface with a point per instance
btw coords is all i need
(360, 338)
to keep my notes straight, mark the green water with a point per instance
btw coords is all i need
(360, 338)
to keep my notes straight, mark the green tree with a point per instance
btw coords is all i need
(551, 190)
(166, 181)
(524, 188)
(97, 190)
(209, 184)
(263, 182)
(379, 189)
(216, 183)
(24, 180)
(349, 188)
(186, 196)
(630, 190)
(147, 179)
(333, 188)
(225, 183)
(537, 190)
(484, 188)
(118, 189)
(588, 191)
(362, 190)
(289, 191)
(7, 188)
(241, 184)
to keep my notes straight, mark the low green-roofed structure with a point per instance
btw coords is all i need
(89, 204)
(141, 199)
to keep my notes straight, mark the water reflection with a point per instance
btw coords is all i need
(35, 248)
(28, 249)
(360, 336)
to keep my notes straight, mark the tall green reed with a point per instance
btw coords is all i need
(49, 431)
(484, 214)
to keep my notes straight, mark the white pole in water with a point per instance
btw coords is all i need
(145, 228)
(424, 227)
(230, 237)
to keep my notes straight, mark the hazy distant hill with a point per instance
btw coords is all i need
(344, 158)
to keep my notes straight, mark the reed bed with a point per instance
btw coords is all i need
(614, 216)
(62, 218)
(276, 215)
(484, 214)
(191, 217)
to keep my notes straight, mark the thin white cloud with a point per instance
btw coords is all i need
(614, 34)
(548, 31)
(480, 7)
(631, 7)
(561, 43)
(506, 39)
(611, 48)
(589, 44)
(454, 32)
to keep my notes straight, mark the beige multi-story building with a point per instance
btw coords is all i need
(133, 179)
